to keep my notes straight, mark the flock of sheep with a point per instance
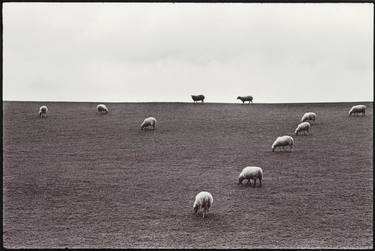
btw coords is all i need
(204, 200)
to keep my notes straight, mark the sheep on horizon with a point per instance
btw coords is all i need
(203, 200)
(197, 98)
(245, 98)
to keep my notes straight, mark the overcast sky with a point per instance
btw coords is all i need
(130, 52)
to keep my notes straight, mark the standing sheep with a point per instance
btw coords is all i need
(197, 98)
(151, 121)
(357, 109)
(203, 200)
(102, 108)
(43, 111)
(245, 98)
(282, 142)
(303, 127)
(308, 116)
(251, 173)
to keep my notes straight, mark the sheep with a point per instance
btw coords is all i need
(245, 98)
(303, 127)
(251, 173)
(203, 200)
(357, 109)
(308, 116)
(151, 121)
(102, 108)
(198, 98)
(43, 111)
(283, 141)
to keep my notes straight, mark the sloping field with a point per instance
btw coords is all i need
(78, 179)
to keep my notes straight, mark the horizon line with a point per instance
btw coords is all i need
(182, 102)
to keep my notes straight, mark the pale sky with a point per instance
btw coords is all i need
(140, 52)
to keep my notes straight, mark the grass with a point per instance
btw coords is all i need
(78, 179)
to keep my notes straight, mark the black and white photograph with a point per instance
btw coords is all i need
(187, 125)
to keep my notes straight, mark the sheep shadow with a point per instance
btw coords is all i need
(357, 116)
(246, 186)
(282, 151)
(148, 129)
(297, 135)
(210, 217)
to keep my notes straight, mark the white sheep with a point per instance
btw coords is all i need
(251, 173)
(102, 108)
(203, 200)
(303, 127)
(282, 142)
(245, 98)
(357, 109)
(43, 111)
(311, 116)
(151, 121)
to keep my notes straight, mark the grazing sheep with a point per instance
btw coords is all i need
(198, 98)
(303, 127)
(251, 173)
(245, 98)
(102, 108)
(282, 142)
(357, 109)
(43, 111)
(203, 200)
(151, 121)
(311, 116)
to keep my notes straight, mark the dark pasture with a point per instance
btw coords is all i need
(79, 179)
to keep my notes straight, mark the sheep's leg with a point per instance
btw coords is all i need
(248, 182)
(255, 182)
(260, 182)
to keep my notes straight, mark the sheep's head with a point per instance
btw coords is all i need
(195, 207)
(240, 179)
